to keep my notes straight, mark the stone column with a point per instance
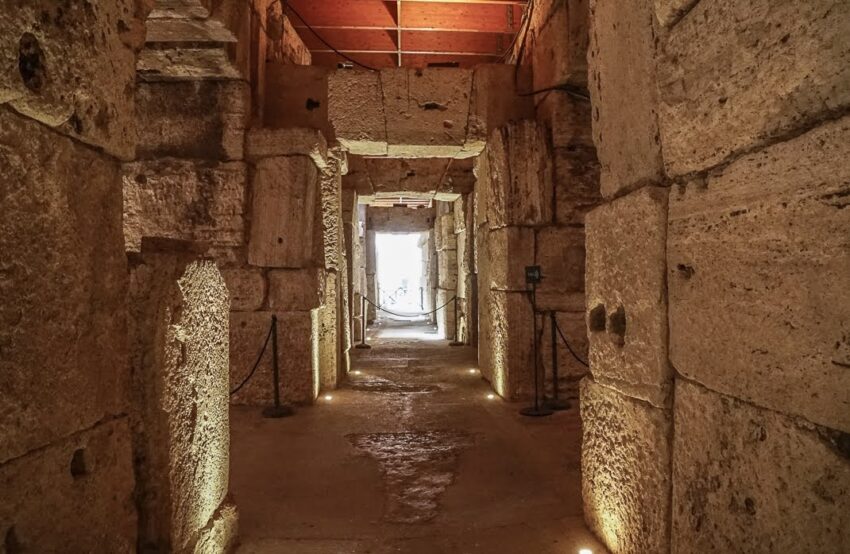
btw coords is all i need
(371, 292)
(447, 268)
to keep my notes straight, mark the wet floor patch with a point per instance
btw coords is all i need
(417, 467)
(372, 383)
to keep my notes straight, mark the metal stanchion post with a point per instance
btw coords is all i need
(422, 298)
(456, 341)
(278, 410)
(555, 403)
(363, 320)
(533, 277)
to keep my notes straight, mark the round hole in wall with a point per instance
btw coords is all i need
(31, 62)
(596, 318)
(79, 466)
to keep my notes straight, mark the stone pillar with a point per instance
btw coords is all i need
(447, 268)
(180, 311)
(66, 123)
(371, 292)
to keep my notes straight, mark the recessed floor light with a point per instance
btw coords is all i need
(491, 396)
(328, 397)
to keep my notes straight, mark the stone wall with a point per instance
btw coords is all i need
(717, 275)
(179, 327)
(65, 124)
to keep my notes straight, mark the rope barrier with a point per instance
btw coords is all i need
(570, 348)
(256, 364)
(410, 315)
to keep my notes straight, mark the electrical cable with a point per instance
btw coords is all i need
(570, 348)
(256, 364)
(287, 6)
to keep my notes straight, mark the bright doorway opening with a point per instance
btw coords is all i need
(401, 272)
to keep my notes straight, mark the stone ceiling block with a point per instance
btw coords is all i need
(356, 108)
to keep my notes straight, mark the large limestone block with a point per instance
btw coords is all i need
(448, 269)
(495, 101)
(297, 96)
(482, 186)
(426, 110)
(576, 184)
(247, 288)
(736, 75)
(670, 12)
(625, 468)
(222, 533)
(285, 226)
(759, 269)
(570, 370)
(192, 119)
(295, 290)
(520, 175)
(461, 212)
(248, 332)
(63, 284)
(73, 68)
(356, 111)
(509, 251)
(570, 120)
(183, 199)
(560, 255)
(560, 46)
(447, 237)
(291, 141)
(179, 307)
(400, 220)
(75, 495)
(747, 479)
(446, 314)
(326, 337)
(627, 296)
(623, 92)
(511, 344)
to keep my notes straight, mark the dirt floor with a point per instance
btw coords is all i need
(415, 454)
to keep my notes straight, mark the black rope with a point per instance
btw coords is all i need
(410, 315)
(256, 364)
(566, 342)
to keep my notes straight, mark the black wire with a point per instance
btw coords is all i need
(570, 348)
(410, 315)
(256, 364)
(572, 90)
(287, 6)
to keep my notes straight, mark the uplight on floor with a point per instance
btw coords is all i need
(473, 371)
(491, 396)
(585, 551)
(328, 397)
(356, 372)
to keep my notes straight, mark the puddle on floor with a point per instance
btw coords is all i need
(417, 467)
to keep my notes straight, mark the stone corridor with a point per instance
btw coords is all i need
(409, 456)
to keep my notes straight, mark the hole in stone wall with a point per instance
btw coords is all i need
(433, 106)
(31, 62)
(596, 320)
(685, 271)
(11, 542)
(313, 104)
(617, 325)
(79, 468)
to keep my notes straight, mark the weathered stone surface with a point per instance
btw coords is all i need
(75, 495)
(560, 255)
(511, 344)
(727, 82)
(625, 467)
(570, 120)
(297, 96)
(247, 288)
(399, 220)
(759, 268)
(221, 533)
(63, 283)
(426, 110)
(72, 67)
(248, 332)
(192, 119)
(447, 238)
(626, 294)
(560, 46)
(622, 70)
(295, 290)
(495, 102)
(356, 111)
(446, 316)
(669, 12)
(482, 186)
(752, 480)
(184, 199)
(576, 184)
(326, 336)
(179, 309)
(509, 251)
(448, 270)
(520, 176)
(285, 226)
(270, 143)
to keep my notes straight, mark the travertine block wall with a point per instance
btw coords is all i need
(65, 124)
(445, 243)
(722, 264)
(179, 330)
(515, 220)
